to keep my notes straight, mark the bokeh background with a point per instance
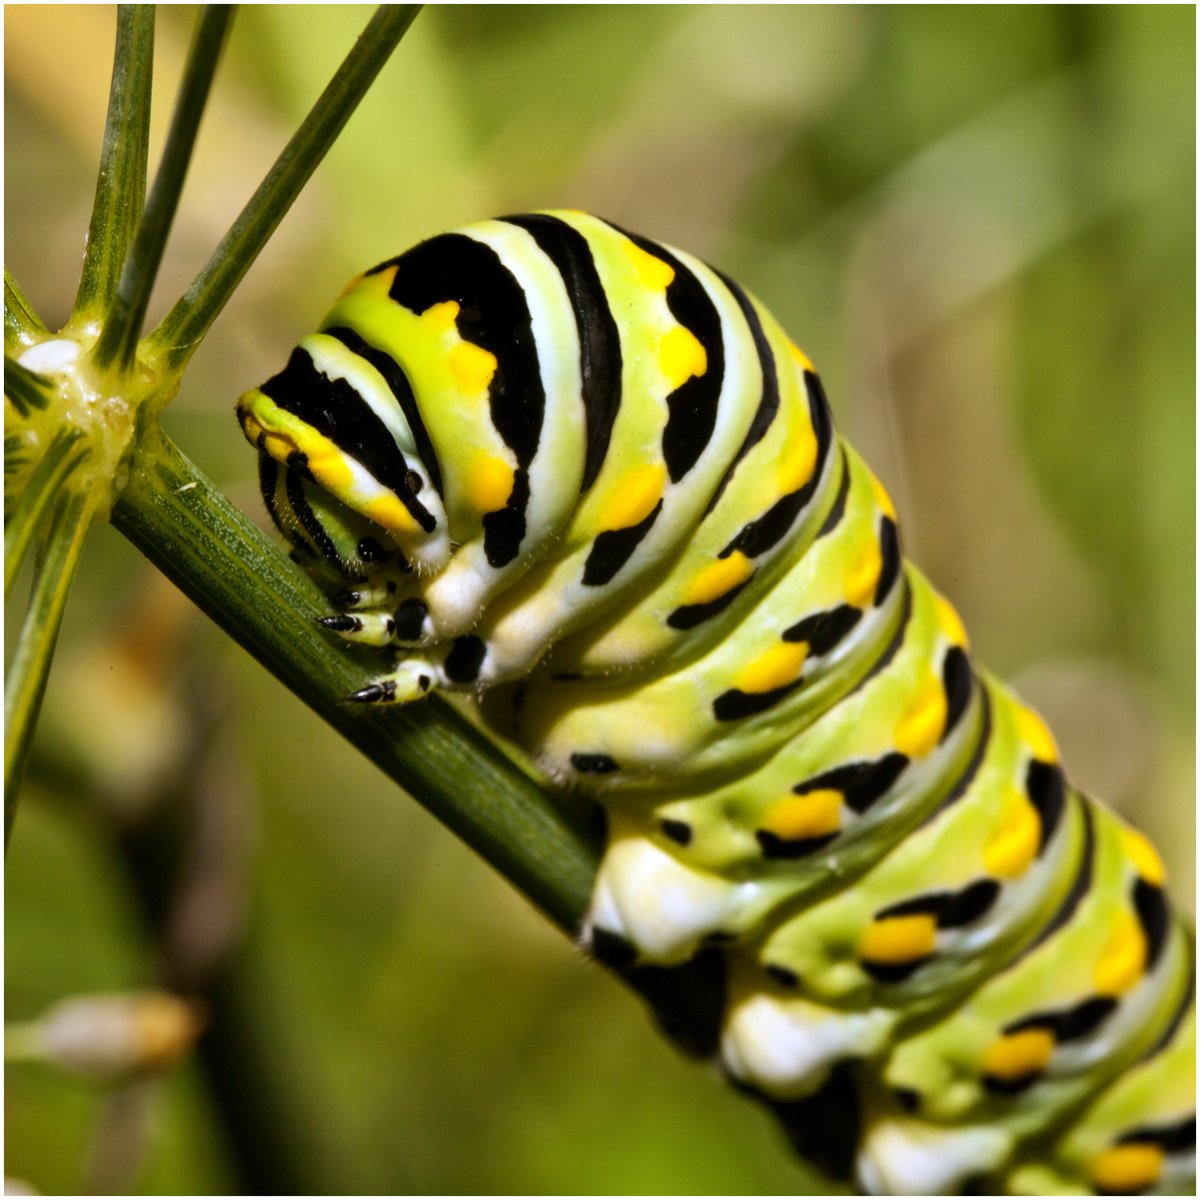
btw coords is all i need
(978, 221)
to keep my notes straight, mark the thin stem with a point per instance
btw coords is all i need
(194, 535)
(550, 851)
(22, 326)
(26, 390)
(31, 662)
(45, 481)
(544, 846)
(182, 330)
(119, 340)
(121, 184)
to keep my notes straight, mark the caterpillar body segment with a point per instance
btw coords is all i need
(590, 479)
(1138, 1136)
(1024, 1051)
(729, 703)
(786, 481)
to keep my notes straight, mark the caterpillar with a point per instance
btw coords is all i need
(590, 479)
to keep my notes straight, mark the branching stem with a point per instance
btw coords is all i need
(172, 344)
(62, 457)
(26, 680)
(21, 324)
(187, 528)
(123, 324)
(121, 184)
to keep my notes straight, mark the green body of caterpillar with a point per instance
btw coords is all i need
(592, 479)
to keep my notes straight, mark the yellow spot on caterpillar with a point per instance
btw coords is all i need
(372, 282)
(1130, 1168)
(473, 367)
(920, 727)
(652, 272)
(250, 425)
(1122, 962)
(332, 472)
(489, 483)
(949, 621)
(898, 939)
(799, 462)
(1034, 731)
(718, 578)
(808, 816)
(883, 499)
(801, 357)
(390, 513)
(1013, 1056)
(1145, 857)
(635, 497)
(777, 668)
(859, 583)
(278, 446)
(440, 318)
(681, 356)
(327, 462)
(1012, 848)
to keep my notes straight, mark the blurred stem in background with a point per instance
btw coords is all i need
(168, 787)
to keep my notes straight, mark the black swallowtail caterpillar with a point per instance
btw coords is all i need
(591, 478)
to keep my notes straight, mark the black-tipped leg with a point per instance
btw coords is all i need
(375, 694)
(414, 678)
(343, 623)
(370, 629)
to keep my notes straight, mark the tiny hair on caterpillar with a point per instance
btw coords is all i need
(590, 479)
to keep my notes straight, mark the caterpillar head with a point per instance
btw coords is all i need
(330, 419)
(331, 542)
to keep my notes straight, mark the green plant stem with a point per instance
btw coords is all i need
(191, 532)
(181, 331)
(30, 665)
(216, 557)
(122, 326)
(22, 325)
(25, 389)
(43, 485)
(121, 184)
(205, 546)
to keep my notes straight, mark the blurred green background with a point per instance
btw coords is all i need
(978, 221)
